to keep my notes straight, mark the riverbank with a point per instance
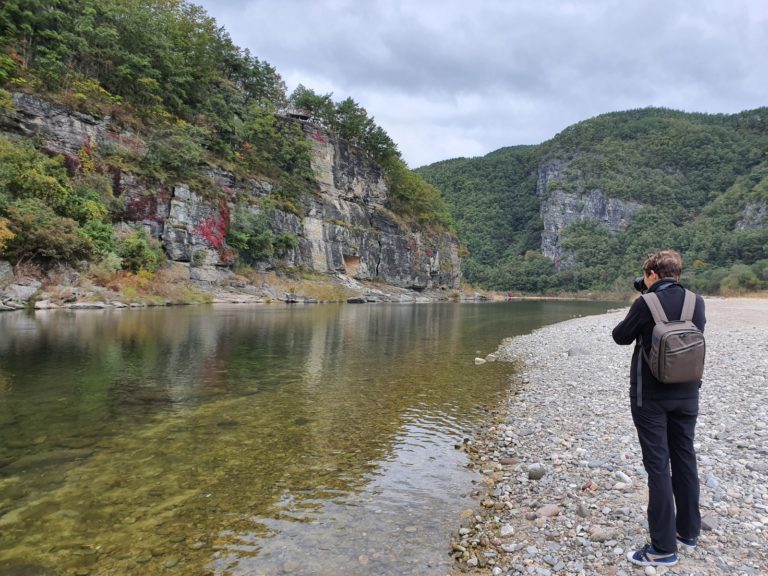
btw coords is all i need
(68, 288)
(564, 490)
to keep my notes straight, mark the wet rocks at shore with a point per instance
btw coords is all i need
(68, 289)
(563, 487)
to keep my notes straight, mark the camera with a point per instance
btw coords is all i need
(639, 284)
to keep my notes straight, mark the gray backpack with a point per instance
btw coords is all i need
(677, 346)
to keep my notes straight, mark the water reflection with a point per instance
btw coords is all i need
(244, 440)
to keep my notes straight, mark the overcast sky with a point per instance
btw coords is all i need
(449, 78)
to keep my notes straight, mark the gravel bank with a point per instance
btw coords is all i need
(564, 488)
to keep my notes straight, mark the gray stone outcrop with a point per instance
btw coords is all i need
(65, 131)
(755, 215)
(561, 208)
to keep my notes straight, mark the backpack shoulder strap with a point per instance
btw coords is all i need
(655, 307)
(689, 304)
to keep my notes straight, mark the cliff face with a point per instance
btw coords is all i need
(343, 229)
(754, 216)
(560, 208)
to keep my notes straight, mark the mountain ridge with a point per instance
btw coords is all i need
(584, 207)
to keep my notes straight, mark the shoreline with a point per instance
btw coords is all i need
(81, 293)
(563, 489)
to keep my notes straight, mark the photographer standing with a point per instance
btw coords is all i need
(665, 418)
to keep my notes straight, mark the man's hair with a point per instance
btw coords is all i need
(667, 264)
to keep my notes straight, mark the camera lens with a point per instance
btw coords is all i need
(639, 284)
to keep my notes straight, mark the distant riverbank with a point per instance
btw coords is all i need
(70, 289)
(171, 286)
(564, 487)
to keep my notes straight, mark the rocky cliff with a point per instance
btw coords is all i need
(344, 229)
(560, 208)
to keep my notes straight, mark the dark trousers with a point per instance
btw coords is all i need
(665, 429)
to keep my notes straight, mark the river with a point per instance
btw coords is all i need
(246, 440)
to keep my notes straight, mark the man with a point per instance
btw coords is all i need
(665, 419)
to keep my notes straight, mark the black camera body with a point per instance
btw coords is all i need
(639, 284)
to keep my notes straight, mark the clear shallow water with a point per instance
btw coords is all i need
(245, 440)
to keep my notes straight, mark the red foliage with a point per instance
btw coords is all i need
(117, 181)
(214, 231)
(317, 135)
(147, 206)
(71, 163)
(131, 142)
(88, 147)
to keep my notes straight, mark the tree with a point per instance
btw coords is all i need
(320, 107)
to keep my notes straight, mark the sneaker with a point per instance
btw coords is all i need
(686, 543)
(648, 556)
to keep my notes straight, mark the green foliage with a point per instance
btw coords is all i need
(347, 120)
(138, 252)
(251, 234)
(90, 199)
(492, 201)
(175, 153)
(319, 107)
(162, 59)
(40, 234)
(276, 148)
(8, 68)
(6, 102)
(592, 247)
(411, 195)
(26, 173)
(28, 181)
(100, 236)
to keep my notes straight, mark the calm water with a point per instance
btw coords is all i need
(245, 440)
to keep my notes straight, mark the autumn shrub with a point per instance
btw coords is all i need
(87, 95)
(131, 284)
(5, 234)
(40, 234)
(104, 268)
(6, 102)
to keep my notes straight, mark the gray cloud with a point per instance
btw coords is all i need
(448, 78)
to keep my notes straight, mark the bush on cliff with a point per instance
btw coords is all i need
(40, 234)
(138, 252)
(251, 235)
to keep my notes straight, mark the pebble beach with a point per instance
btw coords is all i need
(563, 490)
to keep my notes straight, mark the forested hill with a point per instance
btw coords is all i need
(581, 211)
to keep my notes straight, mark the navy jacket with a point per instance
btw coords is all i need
(639, 322)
